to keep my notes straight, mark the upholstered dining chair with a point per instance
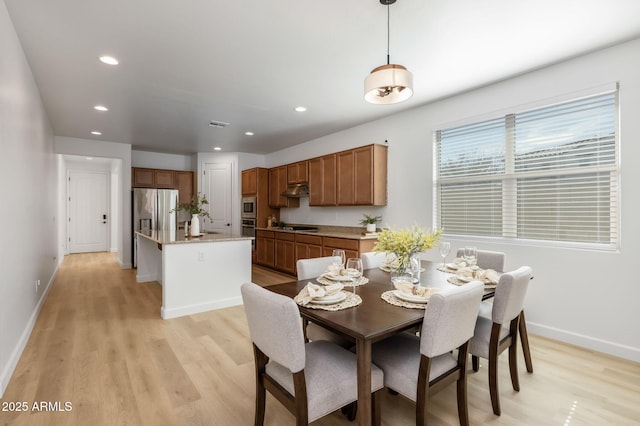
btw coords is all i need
(418, 367)
(310, 379)
(492, 336)
(313, 268)
(495, 260)
(373, 259)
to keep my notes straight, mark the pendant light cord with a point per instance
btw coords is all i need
(388, 33)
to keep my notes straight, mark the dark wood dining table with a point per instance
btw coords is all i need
(371, 321)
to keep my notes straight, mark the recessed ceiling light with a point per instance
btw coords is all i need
(100, 108)
(95, 132)
(301, 109)
(109, 60)
(217, 148)
(89, 158)
(249, 133)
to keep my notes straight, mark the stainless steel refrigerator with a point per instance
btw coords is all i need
(152, 211)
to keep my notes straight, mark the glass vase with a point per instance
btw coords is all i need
(406, 268)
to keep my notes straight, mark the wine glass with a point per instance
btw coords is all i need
(445, 248)
(340, 253)
(354, 270)
(471, 255)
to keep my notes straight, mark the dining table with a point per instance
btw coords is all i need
(371, 321)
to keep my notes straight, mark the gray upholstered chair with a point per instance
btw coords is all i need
(495, 260)
(373, 259)
(492, 336)
(313, 268)
(487, 259)
(310, 379)
(417, 367)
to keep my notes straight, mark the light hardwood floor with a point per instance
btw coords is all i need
(101, 345)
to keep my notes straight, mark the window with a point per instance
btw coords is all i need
(546, 174)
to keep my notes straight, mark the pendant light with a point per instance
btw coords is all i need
(390, 83)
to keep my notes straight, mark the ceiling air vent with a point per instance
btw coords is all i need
(218, 124)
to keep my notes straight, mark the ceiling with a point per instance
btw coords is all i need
(251, 62)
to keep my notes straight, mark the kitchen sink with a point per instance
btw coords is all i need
(300, 228)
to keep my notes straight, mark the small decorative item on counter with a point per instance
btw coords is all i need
(195, 208)
(269, 222)
(370, 222)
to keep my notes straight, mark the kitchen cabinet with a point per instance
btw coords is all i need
(350, 247)
(142, 178)
(265, 248)
(278, 185)
(181, 180)
(362, 176)
(250, 182)
(322, 181)
(308, 247)
(285, 256)
(184, 183)
(298, 172)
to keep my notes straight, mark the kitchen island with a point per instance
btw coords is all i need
(197, 274)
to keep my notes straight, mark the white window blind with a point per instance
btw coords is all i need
(545, 174)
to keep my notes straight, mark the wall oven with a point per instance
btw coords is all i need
(249, 230)
(249, 207)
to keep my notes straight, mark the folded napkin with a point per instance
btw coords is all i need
(312, 291)
(415, 290)
(336, 269)
(487, 276)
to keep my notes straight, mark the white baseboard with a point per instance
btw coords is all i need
(7, 372)
(587, 342)
(200, 307)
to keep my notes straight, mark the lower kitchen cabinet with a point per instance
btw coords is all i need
(265, 248)
(285, 253)
(308, 247)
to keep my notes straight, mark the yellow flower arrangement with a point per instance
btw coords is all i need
(405, 243)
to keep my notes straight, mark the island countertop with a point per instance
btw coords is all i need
(178, 237)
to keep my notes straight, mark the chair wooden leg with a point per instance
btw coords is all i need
(524, 339)
(261, 393)
(422, 397)
(493, 369)
(475, 363)
(350, 411)
(513, 356)
(461, 385)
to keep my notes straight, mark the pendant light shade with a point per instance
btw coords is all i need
(390, 83)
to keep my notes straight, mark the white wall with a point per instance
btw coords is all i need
(29, 190)
(157, 160)
(117, 151)
(589, 298)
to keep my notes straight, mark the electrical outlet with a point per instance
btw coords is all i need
(200, 256)
(37, 285)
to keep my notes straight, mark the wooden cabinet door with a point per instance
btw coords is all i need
(184, 183)
(298, 172)
(278, 185)
(142, 178)
(345, 178)
(285, 256)
(249, 182)
(164, 179)
(363, 172)
(265, 252)
(322, 181)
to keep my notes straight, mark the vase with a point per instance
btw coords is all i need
(195, 226)
(371, 227)
(406, 268)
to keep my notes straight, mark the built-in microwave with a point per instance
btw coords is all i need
(249, 207)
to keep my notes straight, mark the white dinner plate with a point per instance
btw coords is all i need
(452, 266)
(409, 297)
(334, 277)
(330, 299)
(464, 278)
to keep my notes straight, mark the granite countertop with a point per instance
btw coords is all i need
(330, 231)
(178, 237)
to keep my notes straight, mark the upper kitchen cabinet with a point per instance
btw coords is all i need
(362, 176)
(250, 182)
(278, 186)
(142, 178)
(185, 185)
(322, 181)
(298, 172)
(164, 179)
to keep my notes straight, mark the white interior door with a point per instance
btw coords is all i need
(88, 193)
(216, 187)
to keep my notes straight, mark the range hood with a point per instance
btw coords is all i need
(297, 190)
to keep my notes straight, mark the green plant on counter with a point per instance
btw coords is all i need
(196, 206)
(370, 220)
